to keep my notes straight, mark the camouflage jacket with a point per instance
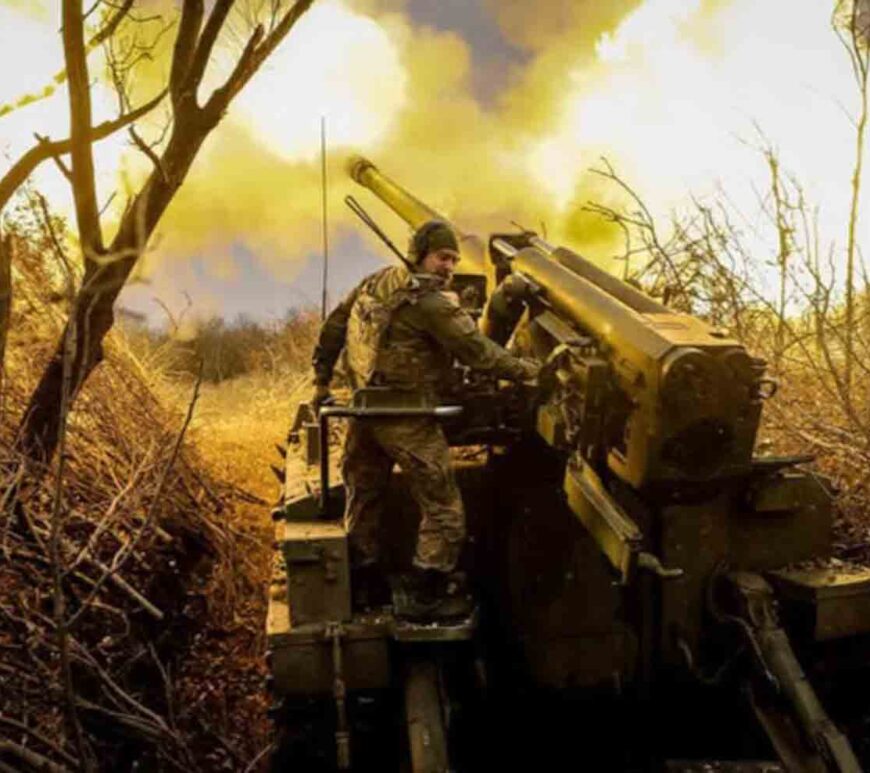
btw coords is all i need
(400, 329)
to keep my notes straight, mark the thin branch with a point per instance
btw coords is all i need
(126, 551)
(36, 761)
(57, 567)
(85, 657)
(58, 161)
(6, 257)
(84, 184)
(23, 168)
(252, 765)
(148, 151)
(59, 251)
(44, 740)
(185, 46)
(207, 41)
(111, 26)
(254, 55)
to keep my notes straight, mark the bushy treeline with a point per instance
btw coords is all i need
(228, 349)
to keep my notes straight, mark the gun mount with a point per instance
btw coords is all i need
(626, 537)
(689, 396)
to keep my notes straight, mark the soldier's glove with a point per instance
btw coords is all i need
(321, 396)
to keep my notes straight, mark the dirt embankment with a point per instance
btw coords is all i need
(237, 427)
(168, 665)
(155, 536)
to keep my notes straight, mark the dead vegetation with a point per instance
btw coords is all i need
(121, 549)
(773, 283)
(133, 569)
(134, 565)
(264, 351)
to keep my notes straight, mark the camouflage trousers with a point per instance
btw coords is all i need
(419, 448)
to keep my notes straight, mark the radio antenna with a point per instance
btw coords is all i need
(323, 181)
(358, 210)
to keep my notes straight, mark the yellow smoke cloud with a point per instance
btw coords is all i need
(668, 90)
(399, 94)
(356, 82)
(537, 25)
(377, 7)
(676, 89)
(37, 9)
(257, 180)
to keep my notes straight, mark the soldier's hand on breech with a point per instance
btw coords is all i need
(321, 396)
(531, 371)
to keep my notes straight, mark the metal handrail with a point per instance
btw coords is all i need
(327, 412)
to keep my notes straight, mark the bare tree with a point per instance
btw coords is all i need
(45, 149)
(6, 248)
(107, 267)
(780, 206)
(851, 22)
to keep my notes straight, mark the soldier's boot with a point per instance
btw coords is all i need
(431, 596)
(368, 588)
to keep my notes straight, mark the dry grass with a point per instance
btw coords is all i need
(190, 547)
(239, 423)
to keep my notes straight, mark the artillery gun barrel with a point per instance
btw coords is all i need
(579, 265)
(414, 212)
(693, 390)
(573, 293)
(583, 301)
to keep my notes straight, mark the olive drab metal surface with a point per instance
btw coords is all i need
(626, 539)
(316, 562)
(651, 418)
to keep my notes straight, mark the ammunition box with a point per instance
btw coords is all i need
(318, 576)
(826, 603)
(787, 519)
(307, 507)
(301, 657)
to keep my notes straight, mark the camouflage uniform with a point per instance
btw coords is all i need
(400, 329)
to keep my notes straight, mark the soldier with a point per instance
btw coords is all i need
(400, 328)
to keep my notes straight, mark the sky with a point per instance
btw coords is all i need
(490, 111)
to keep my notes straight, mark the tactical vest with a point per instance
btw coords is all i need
(382, 348)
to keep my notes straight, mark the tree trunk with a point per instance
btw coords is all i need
(93, 312)
(106, 271)
(5, 298)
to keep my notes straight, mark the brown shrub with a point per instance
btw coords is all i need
(125, 501)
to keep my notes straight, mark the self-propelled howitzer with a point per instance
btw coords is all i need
(690, 396)
(631, 556)
(650, 417)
